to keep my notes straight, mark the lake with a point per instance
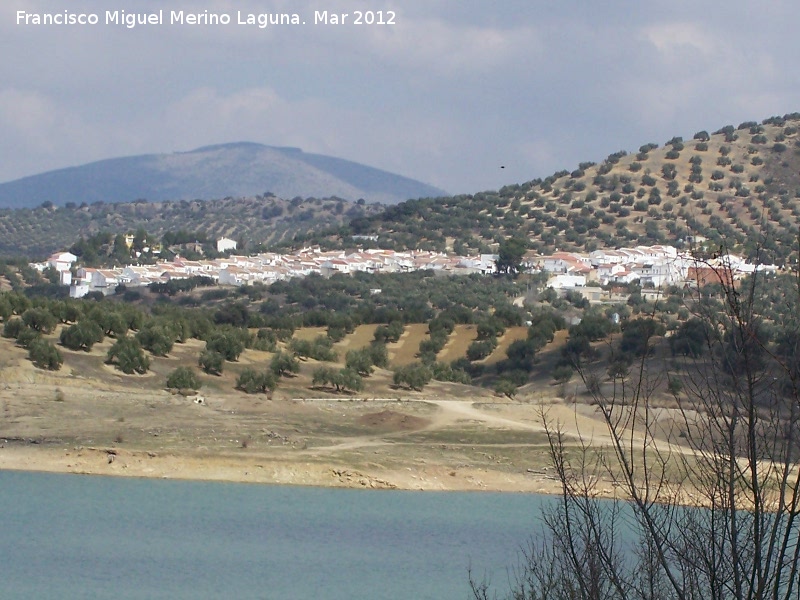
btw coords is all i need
(72, 536)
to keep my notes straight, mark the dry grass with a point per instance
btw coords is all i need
(309, 333)
(405, 350)
(361, 337)
(511, 335)
(457, 343)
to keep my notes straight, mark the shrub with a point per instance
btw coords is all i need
(183, 378)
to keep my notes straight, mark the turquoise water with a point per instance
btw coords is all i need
(70, 536)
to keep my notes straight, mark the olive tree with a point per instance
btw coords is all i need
(211, 362)
(510, 255)
(81, 336)
(414, 376)
(183, 378)
(251, 381)
(128, 356)
(45, 355)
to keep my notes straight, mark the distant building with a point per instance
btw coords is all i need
(701, 276)
(61, 261)
(78, 290)
(224, 244)
(566, 281)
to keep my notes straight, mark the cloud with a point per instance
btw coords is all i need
(676, 40)
(451, 50)
(447, 95)
(45, 134)
(38, 130)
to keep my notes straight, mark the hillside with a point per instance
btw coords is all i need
(739, 186)
(38, 232)
(239, 169)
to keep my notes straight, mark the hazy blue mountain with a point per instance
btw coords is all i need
(238, 169)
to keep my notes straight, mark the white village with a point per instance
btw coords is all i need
(592, 275)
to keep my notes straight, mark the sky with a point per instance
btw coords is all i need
(466, 95)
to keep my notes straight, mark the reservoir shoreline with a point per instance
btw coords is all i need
(249, 468)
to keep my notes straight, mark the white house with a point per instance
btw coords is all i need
(655, 273)
(563, 262)
(566, 281)
(78, 290)
(329, 267)
(85, 275)
(608, 271)
(61, 261)
(104, 280)
(233, 275)
(224, 244)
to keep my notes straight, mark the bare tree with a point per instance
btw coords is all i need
(706, 493)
